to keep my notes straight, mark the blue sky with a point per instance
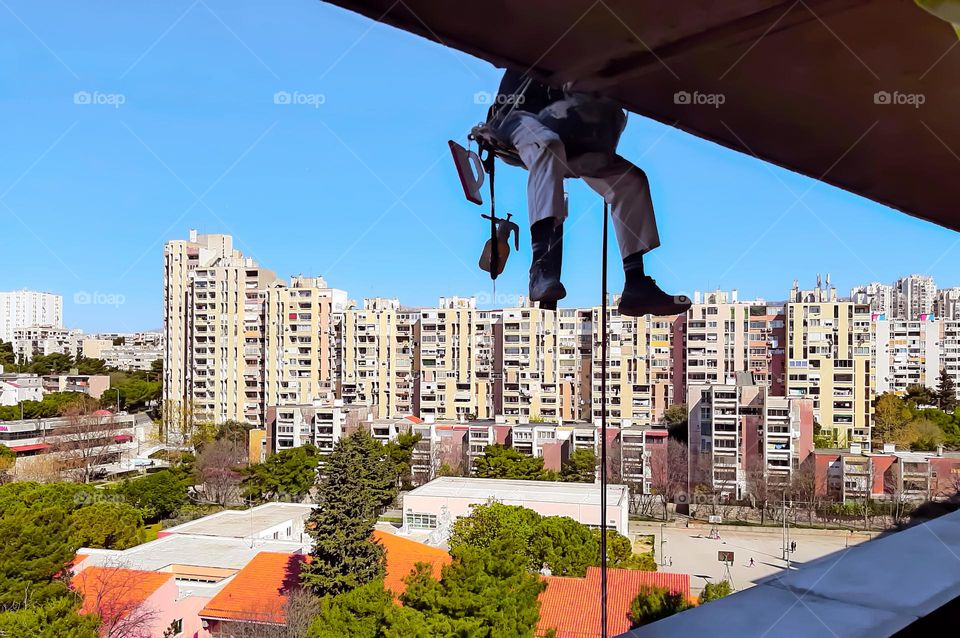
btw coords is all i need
(359, 189)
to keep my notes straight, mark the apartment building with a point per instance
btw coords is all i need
(456, 372)
(855, 475)
(640, 385)
(643, 459)
(376, 349)
(950, 349)
(829, 361)
(726, 336)
(947, 305)
(880, 297)
(33, 340)
(531, 385)
(299, 344)
(914, 295)
(237, 339)
(320, 423)
(740, 433)
(906, 352)
(24, 308)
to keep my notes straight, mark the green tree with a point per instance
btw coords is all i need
(7, 357)
(350, 495)
(35, 549)
(52, 405)
(922, 435)
(107, 525)
(580, 467)
(400, 453)
(90, 366)
(655, 603)
(158, 496)
(54, 363)
(360, 613)
(890, 416)
(921, 395)
(234, 431)
(507, 463)
(946, 392)
(564, 545)
(288, 474)
(494, 523)
(55, 619)
(482, 593)
(713, 591)
(560, 543)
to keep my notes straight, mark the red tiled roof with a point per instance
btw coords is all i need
(403, 554)
(103, 413)
(114, 592)
(571, 606)
(30, 448)
(413, 419)
(258, 592)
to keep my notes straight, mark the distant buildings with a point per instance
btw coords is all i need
(25, 308)
(739, 435)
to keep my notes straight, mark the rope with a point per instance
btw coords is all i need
(603, 430)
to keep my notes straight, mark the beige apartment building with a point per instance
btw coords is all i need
(639, 369)
(725, 336)
(456, 352)
(829, 361)
(236, 338)
(299, 344)
(376, 348)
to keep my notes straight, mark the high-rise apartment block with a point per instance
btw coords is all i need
(726, 336)
(829, 361)
(26, 308)
(377, 354)
(906, 352)
(236, 338)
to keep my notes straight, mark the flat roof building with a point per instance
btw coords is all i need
(433, 507)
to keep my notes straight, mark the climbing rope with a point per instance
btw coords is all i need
(603, 429)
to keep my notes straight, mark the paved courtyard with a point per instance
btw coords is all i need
(694, 552)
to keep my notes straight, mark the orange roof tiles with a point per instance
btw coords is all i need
(259, 591)
(571, 606)
(403, 554)
(114, 592)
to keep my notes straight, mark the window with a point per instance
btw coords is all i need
(421, 521)
(177, 626)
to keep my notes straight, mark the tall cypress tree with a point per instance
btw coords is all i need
(351, 492)
(946, 392)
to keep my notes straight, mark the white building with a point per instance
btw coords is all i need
(15, 389)
(34, 340)
(22, 308)
(435, 505)
(906, 352)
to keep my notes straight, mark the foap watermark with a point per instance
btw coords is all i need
(500, 300)
(696, 98)
(486, 98)
(95, 298)
(297, 98)
(896, 98)
(98, 98)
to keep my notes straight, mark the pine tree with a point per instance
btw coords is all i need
(350, 494)
(946, 392)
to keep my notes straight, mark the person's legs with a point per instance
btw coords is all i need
(626, 188)
(545, 157)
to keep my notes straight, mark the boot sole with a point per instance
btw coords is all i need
(553, 293)
(639, 310)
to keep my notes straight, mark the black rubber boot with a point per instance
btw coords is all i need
(642, 296)
(547, 243)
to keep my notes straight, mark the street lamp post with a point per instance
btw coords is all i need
(663, 541)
